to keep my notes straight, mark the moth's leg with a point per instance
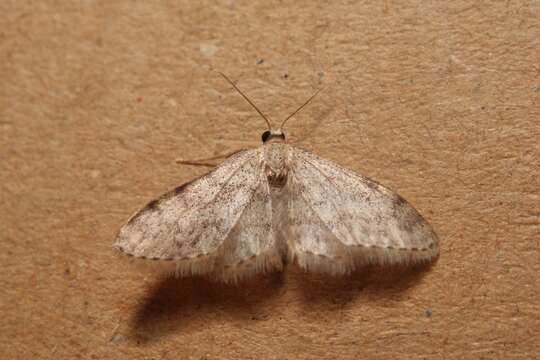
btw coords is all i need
(207, 161)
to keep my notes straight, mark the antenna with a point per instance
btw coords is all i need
(300, 108)
(249, 101)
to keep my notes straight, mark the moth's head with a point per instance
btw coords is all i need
(273, 136)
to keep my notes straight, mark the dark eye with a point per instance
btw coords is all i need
(265, 136)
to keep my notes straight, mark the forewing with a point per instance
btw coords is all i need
(205, 226)
(251, 245)
(339, 219)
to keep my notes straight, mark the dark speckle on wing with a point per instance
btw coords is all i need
(180, 188)
(152, 205)
(399, 201)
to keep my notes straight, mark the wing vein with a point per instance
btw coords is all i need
(240, 214)
(225, 183)
(316, 212)
(332, 203)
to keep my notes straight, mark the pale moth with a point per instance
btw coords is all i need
(277, 204)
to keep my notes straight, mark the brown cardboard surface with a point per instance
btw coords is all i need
(437, 100)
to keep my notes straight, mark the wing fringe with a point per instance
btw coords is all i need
(267, 262)
(360, 256)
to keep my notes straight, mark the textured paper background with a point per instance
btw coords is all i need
(437, 100)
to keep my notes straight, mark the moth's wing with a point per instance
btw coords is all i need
(252, 244)
(339, 219)
(217, 224)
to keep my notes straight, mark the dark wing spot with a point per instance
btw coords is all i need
(399, 201)
(152, 205)
(407, 225)
(372, 184)
(181, 188)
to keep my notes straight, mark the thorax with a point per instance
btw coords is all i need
(276, 162)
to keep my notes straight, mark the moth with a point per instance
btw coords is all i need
(277, 204)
